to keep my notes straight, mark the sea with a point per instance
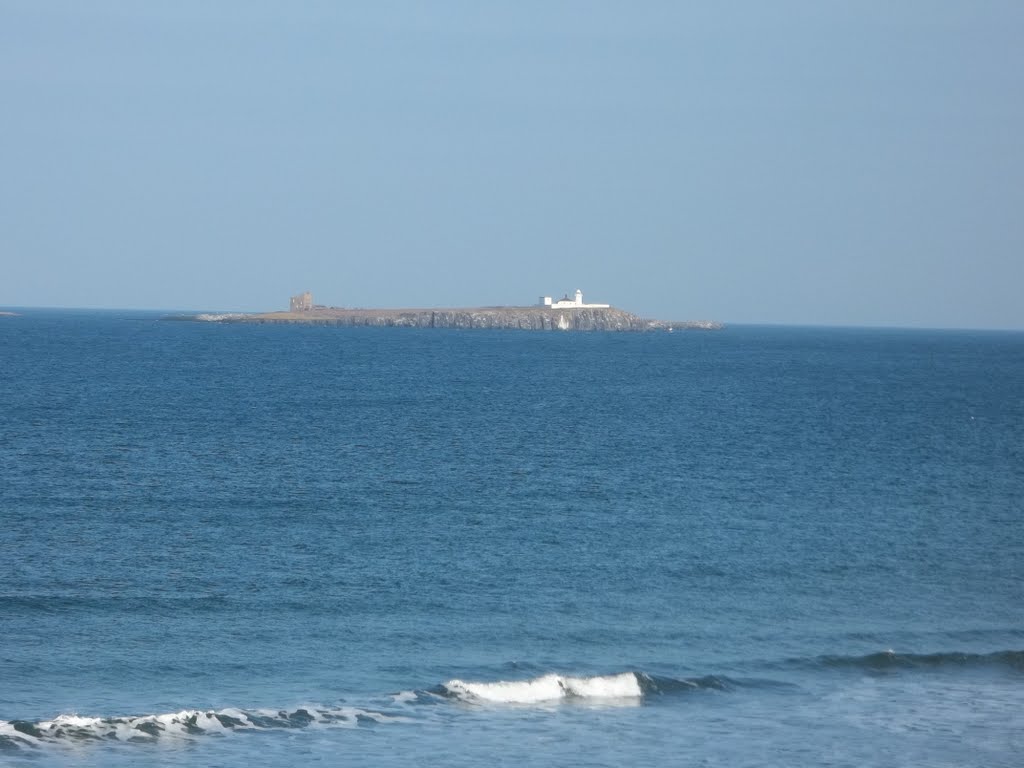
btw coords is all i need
(225, 544)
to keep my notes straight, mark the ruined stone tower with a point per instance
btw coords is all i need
(303, 302)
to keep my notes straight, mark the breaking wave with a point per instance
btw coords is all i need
(637, 685)
(553, 688)
(621, 689)
(183, 725)
(547, 688)
(193, 723)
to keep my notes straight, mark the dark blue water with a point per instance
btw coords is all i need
(230, 544)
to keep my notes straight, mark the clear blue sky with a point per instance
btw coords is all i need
(785, 162)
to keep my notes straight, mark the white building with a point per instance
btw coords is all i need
(566, 303)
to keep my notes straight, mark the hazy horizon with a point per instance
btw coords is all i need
(17, 309)
(787, 165)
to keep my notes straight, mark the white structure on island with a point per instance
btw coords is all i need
(566, 303)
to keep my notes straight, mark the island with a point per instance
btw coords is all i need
(566, 314)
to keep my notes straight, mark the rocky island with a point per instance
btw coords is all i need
(567, 314)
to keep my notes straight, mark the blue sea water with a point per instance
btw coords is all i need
(273, 545)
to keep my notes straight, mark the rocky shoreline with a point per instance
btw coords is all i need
(513, 318)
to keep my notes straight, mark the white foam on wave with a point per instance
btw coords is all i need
(549, 688)
(184, 724)
(141, 727)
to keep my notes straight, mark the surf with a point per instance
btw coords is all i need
(184, 724)
(547, 688)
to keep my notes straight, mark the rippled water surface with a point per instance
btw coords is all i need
(231, 545)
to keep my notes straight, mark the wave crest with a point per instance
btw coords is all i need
(183, 724)
(625, 685)
(891, 660)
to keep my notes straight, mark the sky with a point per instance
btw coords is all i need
(812, 163)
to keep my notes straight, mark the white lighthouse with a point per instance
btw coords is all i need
(566, 303)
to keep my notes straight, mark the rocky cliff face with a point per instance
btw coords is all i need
(516, 318)
(520, 319)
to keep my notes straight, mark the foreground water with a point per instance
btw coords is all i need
(225, 545)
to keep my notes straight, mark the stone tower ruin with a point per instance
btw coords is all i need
(302, 302)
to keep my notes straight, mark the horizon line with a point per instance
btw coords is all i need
(860, 325)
